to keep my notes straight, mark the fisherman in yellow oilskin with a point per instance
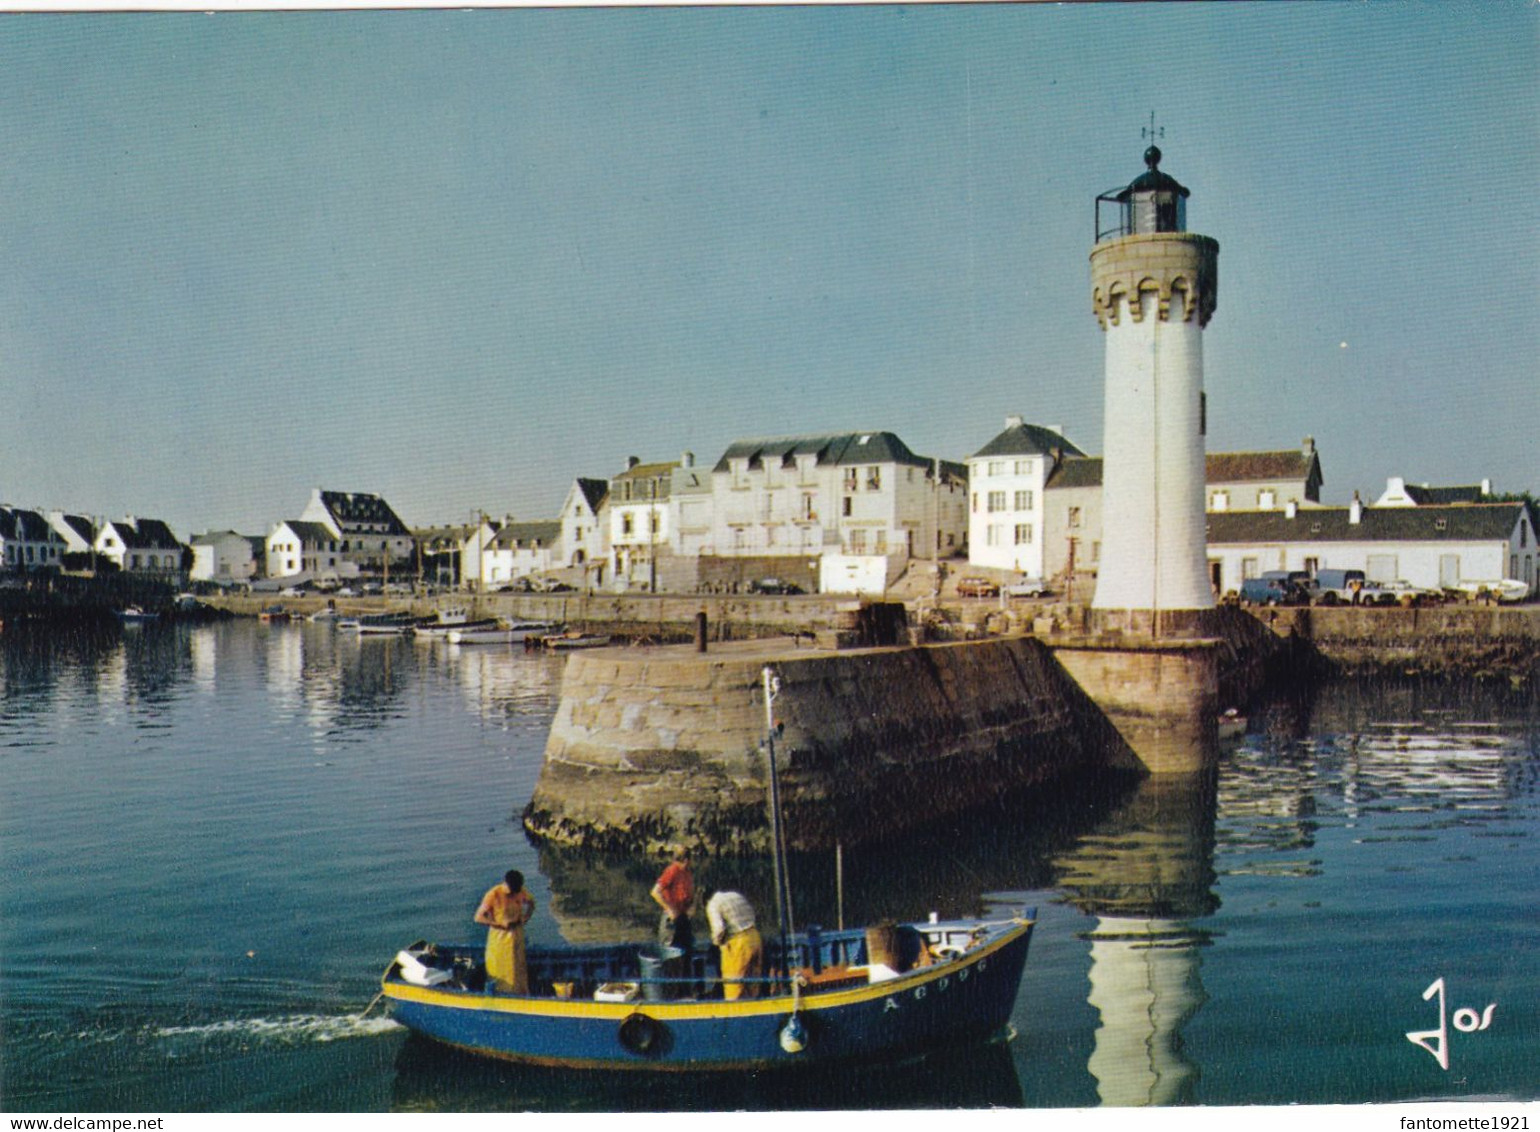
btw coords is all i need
(505, 909)
(731, 918)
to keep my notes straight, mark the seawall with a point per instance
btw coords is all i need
(651, 746)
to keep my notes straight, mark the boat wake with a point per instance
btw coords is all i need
(293, 1030)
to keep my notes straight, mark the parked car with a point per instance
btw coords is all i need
(347, 591)
(975, 586)
(1331, 587)
(292, 591)
(774, 586)
(1275, 587)
(1027, 587)
(1402, 592)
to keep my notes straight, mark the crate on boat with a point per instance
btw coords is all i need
(617, 992)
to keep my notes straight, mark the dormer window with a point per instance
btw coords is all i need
(1440, 524)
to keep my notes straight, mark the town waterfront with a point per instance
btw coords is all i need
(215, 837)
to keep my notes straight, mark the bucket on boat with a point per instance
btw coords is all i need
(660, 963)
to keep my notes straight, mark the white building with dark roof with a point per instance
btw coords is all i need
(28, 542)
(1399, 493)
(518, 550)
(1432, 545)
(584, 515)
(223, 557)
(369, 534)
(856, 493)
(77, 531)
(300, 549)
(142, 546)
(1007, 503)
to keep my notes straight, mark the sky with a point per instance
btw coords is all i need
(459, 258)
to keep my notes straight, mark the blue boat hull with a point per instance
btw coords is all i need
(963, 998)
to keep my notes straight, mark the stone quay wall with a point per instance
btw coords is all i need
(1475, 641)
(655, 746)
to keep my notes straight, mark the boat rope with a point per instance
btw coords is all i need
(372, 1003)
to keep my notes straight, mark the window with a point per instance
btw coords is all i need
(1072, 517)
(1266, 500)
(846, 508)
(1249, 568)
(996, 467)
(881, 540)
(873, 479)
(1096, 552)
(626, 525)
(975, 502)
(1023, 534)
(1312, 565)
(996, 501)
(1023, 501)
(850, 479)
(1219, 501)
(857, 542)
(1023, 467)
(808, 511)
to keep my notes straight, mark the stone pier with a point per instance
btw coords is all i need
(664, 744)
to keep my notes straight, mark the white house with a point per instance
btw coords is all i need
(28, 542)
(642, 526)
(520, 549)
(1399, 493)
(1430, 545)
(141, 546)
(1008, 503)
(223, 557)
(583, 517)
(368, 533)
(297, 548)
(847, 493)
(77, 531)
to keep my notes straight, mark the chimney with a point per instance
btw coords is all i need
(632, 461)
(1014, 420)
(1486, 487)
(1291, 509)
(1355, 510)
(1395, 485)
(687, 459)
(1307, 447)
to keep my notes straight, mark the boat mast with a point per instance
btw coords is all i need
(772, 685)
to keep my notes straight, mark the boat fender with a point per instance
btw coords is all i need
(640, 1034)
(949, 951)
(794, 1035)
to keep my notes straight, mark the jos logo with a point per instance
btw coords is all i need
(1465, 1019)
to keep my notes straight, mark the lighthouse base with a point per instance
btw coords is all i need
(1156, 624)
(1161, 694)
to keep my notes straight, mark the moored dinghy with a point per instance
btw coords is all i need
(837, 996)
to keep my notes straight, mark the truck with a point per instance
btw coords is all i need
(1333, 587)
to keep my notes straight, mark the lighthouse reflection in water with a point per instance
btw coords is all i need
(1146, 878)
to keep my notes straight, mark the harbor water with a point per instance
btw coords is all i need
(214, 838)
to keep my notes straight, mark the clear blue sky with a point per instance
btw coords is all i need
(458, 258)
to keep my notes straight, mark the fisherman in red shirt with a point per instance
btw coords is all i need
(675, 893)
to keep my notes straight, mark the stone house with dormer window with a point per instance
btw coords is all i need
(518, 550)
(584, 519)
(1007, 501)
(370, 535)
(857, 494)
(310, 551)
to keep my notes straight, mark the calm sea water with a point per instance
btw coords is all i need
(213, 839)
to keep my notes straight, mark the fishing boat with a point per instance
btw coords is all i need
(438, 628)
(572, 639)
(135, 615)
(328, 614)
(827, 997)
(382, 624)
(1232, 724)
(501, 633)
(274, 614)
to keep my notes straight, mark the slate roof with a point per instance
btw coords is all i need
(1466, 522)
(1423, 495)
(310, 534)
(83, 527)
(1218, 467)
(1027, 440)
(145, 534)
(594, 492)
(25, 526)
(1077, 471)
(354, 508)
(1240, 467)
(545, 532)
(835, 448)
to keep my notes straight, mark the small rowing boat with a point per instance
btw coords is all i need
(501, 633)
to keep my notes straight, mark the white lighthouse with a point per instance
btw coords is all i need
(1153, 288)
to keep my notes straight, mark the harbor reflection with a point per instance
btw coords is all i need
(430, 1077)
(1146, 873)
